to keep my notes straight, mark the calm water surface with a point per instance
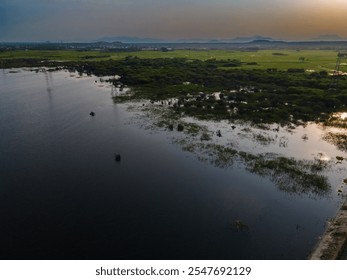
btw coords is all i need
(63, 196)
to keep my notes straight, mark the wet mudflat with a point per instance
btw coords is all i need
(63, 195)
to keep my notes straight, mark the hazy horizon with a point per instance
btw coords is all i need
(86, 20)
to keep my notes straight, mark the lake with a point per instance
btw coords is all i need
(63, 196)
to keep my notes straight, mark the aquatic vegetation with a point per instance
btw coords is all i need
(239, 226)
(218, 155)
(193, 128)
(338, 139)
(262, 126)
(290, 175)
(205, 136)
(318, 164)
(221, 156)
(304, 137)
(263, 139)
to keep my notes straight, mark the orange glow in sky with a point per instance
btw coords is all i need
(91, 19)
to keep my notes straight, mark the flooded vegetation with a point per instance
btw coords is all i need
(221, 88)
(338, 139)
(289, 175)
(269, 150)
(292, 175)
(168, 138)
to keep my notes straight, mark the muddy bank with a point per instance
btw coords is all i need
(334, 240)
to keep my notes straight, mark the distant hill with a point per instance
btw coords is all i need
(139, 40)
(250, 39)
(130, 40)
(247, 40)
(329, 37)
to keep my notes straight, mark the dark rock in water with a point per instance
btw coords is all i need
(233, 127)
(219, 134)
(92, 114)
(171, 127)
(117, 157)
(180, 127)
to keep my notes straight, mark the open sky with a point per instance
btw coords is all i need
(40, 20)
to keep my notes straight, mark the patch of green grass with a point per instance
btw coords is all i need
(60, 55)
(317, 60)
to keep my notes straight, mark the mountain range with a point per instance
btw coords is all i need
(246, 39)
(134, 40)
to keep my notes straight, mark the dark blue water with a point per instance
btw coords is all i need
(62, 195)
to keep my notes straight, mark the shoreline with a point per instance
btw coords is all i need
(334, 240)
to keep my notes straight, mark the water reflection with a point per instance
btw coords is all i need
(49, 82)
(295, 158)
(343, 116)
(338, 119)
(63, 195)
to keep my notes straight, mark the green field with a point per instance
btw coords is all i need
(316, 60)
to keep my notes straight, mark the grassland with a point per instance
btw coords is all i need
(316, 60)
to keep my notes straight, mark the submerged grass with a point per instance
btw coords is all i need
(338, 139)
(288, 174)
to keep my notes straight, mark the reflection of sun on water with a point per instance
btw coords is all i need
(343, 116)
(339, 116)
(324, 158)
(338, 120)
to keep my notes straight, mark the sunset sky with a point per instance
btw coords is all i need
(73, 20)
